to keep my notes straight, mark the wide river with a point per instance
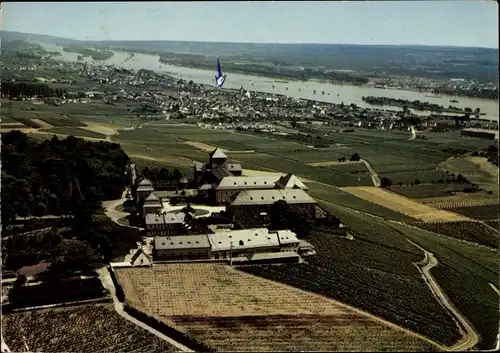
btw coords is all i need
(299, 89)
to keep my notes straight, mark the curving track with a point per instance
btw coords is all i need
(469, 335)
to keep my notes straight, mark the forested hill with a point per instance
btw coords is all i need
(55, 177)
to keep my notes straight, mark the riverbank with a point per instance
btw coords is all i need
(336, 94)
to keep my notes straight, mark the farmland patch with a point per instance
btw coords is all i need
(86, 328)
(471, 231)
(480, 305)
(75, 131)
(460, 200)
(402, 204)
(305, 333)
(475, 169)
(423, 191)
(372, 273)
(484, 212)
(202, 146)
(251, 311)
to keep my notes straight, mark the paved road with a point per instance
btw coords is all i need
(107, 283)
(113, 214)
(469, 336)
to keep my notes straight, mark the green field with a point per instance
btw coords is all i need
(423, 177)
(74, 131)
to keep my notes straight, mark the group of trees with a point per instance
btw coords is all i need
(29, 89)
(61, 177)
(58, 177)
(354, 158)
(286, 216)
(162, 178)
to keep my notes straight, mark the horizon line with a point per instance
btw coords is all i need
(231, 42)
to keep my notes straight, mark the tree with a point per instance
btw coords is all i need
(20, 281)
(355, 157)
(417, 182)
(176, 175)
(285, 216)
(385, 182)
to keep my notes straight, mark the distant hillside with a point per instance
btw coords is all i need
(9, 36)
(408, 60)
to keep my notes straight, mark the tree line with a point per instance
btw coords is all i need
(30, 89)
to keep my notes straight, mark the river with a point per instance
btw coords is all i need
(299, 89)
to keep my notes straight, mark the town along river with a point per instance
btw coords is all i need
(299, 89)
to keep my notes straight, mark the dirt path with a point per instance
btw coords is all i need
(373, 173)
(494, 288)
(107, 283)
(413, 133)
(469, 336)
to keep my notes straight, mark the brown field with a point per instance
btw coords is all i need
(43, 124)
(403, 204)
(234, 311)
(202, 146)
(460, 200)
(105, 129)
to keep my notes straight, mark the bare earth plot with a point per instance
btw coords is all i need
(234, 311)
(102, 128)
(403, 204)
(202, 146)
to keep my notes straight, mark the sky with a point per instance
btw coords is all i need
(471, 23)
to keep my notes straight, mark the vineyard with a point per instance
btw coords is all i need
(231, 310)
(88, 328)
(484, 212)
(471, 231)
(374, 272)
(291, 332)
(494, 224)
(479, 306)
(427, 190)
(460, 200)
